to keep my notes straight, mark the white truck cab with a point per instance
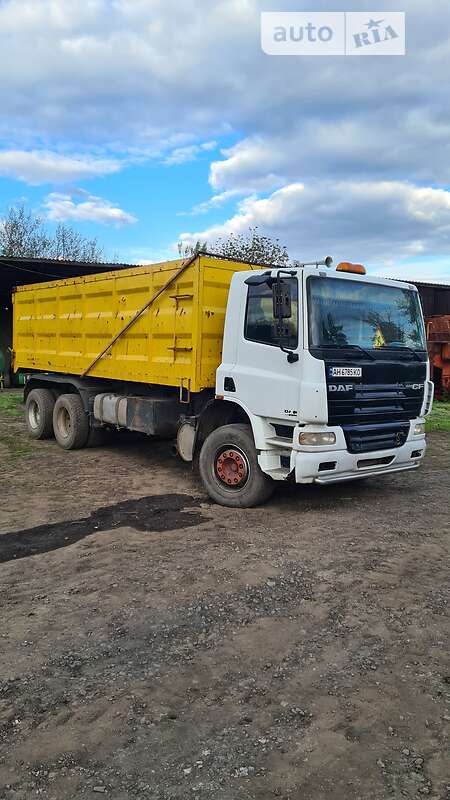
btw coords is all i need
(331, 369)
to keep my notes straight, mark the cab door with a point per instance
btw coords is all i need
(266, 382)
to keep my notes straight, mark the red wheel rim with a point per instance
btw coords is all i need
(231, 467)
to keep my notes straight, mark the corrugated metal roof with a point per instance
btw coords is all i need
(433, 284)
(15, 271)
(103, 265)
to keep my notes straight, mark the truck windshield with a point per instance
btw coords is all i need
(344, 313)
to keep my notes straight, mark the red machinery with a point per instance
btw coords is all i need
(438, 336)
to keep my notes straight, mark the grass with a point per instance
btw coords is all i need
(11, 403)
(12, 445)
(15, 446)
(439, 419)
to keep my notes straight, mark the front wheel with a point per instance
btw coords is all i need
(229, 468)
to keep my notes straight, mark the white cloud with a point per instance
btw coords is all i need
(63, 208)
(357, 146)
(155, 77)
(138, 73)
(114, 70)
(216, 201)
(41, 166)
(362, 221)
(181, 155)
(250, 166)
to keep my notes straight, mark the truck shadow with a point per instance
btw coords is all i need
(359, 493)
(153, 513)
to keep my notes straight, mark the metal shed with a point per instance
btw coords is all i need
(435, 297)
(20, 271)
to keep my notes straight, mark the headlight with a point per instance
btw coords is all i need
(317, 439)
(419, 429)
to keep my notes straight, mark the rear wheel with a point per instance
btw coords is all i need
(229, 468)
(39, 413)
(70, 422)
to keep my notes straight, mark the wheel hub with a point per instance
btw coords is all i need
(34, 415)
(232, 468)
(64, 422)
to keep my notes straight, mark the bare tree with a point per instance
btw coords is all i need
(24, 234)
(70, 245)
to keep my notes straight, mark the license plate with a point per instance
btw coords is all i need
(345, 372)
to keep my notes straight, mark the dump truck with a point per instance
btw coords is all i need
(257, 374)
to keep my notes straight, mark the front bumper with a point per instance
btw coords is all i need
(336, 464)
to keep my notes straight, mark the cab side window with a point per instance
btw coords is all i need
(260, 325)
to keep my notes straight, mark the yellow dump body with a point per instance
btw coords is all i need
(62, 326)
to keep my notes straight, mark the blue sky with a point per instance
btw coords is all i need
(145, 121)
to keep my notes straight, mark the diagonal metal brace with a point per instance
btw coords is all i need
(139, 313)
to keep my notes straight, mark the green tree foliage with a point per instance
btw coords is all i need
(252, 246)
(189, 250)
(23, 234)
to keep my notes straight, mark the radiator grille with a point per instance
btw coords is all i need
(369, 438)
(375, 403)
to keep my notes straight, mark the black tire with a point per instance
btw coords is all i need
(229, 468)
(70, 422)
(39, 413)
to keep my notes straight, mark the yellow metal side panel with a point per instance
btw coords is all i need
(62, 326)
(215, 276)
(146, 351)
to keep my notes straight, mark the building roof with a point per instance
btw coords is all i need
(432, 284)
(18, 271)
(434, 296)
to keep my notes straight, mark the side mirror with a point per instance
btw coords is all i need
(282, 309)
(282, 302)
(259, 279)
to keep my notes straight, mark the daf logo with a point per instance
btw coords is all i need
(340, 387)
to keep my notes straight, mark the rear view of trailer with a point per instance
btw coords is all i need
(64, 326)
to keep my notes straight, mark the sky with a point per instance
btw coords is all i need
(149, 122)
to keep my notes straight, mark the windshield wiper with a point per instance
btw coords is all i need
(403, 347)
(362, 349)
(347, 347)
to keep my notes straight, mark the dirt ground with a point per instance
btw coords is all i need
(154, 645)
